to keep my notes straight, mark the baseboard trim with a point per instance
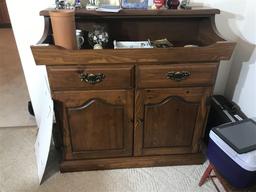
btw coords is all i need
(131, 162)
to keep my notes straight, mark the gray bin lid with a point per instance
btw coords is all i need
(240, 136)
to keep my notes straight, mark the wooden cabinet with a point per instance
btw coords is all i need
(169, 121)
(97, 123)
(134, 107)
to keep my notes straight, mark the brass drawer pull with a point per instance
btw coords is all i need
(92, 78)
(178, 75)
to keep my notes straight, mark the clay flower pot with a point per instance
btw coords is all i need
(63, 27)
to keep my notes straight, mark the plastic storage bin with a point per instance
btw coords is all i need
(232, 150)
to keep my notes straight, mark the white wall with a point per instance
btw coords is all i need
(237, 78)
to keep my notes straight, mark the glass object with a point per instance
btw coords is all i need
(79, 38)
(172, 4)
(98, 35)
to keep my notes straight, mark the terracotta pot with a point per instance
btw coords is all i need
(63, 27)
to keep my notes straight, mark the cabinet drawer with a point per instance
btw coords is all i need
(176, 75)
(90, 77)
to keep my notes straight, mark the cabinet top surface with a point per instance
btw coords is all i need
(194, 12)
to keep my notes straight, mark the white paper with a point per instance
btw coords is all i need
(36, 76)
(43, 140)
(109, 8)
(131, 44)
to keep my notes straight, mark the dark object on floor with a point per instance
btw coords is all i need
(232, 151)
(222, 111)
(228, 188)
(30, 109)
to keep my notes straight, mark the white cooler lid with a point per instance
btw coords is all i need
(245, 160)
(238, 135)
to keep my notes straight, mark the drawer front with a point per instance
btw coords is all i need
(176, 75)
(90, 77)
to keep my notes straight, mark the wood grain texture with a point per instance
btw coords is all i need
(195, 12)
(131, 162)
(207, 31)
(169, 120)
(155, 76)
(96, 124)
(68, 78)
(174, 127)
(51, 55)
(89, 131)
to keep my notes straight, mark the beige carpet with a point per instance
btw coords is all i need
(13, 90)
(18, 173)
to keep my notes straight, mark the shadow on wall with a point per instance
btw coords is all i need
(243, 83)
(243, 56)
(240, 82)
(227, 24)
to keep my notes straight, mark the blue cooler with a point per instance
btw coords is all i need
(232, 151)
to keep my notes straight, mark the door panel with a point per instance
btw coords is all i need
(169, 121)
(97, 123)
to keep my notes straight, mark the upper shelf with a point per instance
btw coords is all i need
(128, 13)
(181, 27)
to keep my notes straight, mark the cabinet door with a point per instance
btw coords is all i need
(169, 121)
(96, 124)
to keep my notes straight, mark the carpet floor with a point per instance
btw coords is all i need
(13, 90)
(18, 172)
